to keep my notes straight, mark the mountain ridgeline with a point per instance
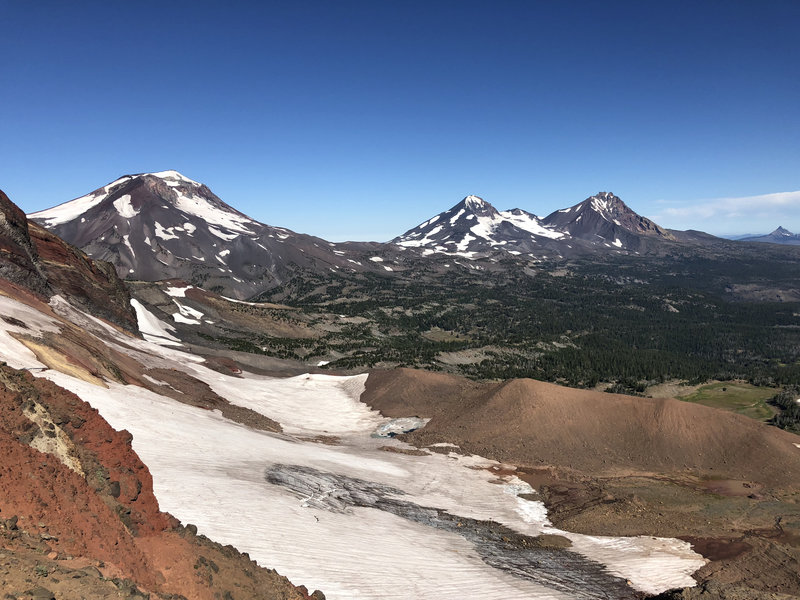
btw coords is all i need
(591, 293)
(156, 226)
(474, 228)
(780, 236)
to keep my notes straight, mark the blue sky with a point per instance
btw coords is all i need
(358, 120)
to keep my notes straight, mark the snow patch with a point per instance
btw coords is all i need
(124, 206)
(214, 215)
(225, 236)
(152, 328)
(164, 234)
(174, 175)
(177, 292)
(128, 244)
(531, 224)
(66, 212)
(455, 218)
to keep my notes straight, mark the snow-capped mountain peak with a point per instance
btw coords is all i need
(606, 204)
(475, 203)
(780, 236)
(173, 176)
(164, 225)
(131, 193)
(605, 219)
(474, 226)
(782, 232)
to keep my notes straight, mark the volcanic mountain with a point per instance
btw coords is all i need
(164, 225)
(779, 236)
(606, 220)
(474, 228)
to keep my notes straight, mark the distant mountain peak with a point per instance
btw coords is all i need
(130, 193)
(607, 204)
(474, 202)
(474, 227)
(163, 225)
(782, 231)
(780, 236)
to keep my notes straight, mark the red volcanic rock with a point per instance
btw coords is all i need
(78, 514)
(92, 284)
(109, 516)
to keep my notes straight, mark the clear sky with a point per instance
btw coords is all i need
(358, 120)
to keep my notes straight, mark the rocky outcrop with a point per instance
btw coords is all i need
(18, 257)
(43, 263)
(91, 284)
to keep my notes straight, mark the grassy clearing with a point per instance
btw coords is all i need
(741, 398)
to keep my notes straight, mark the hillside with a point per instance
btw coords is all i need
(611, 463)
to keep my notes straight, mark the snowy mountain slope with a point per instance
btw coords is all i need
(312, 510)
(164, 225)
(606, 220)
(473, 228)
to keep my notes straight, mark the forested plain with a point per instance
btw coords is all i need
(629, 321)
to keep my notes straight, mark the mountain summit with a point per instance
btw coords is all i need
(473, 227)
(780, 236)
(605, 219)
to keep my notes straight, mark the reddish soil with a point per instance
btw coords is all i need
(109, 517)
(607, 464)
(523, 421)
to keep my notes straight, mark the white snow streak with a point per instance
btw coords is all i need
(124, 206)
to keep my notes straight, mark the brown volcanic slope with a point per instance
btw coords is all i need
(45, 264)
(536, 423)
(607, 464)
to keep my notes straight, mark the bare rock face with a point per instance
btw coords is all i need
(91, 284)
(605, 219)
(18, 257)
(43, 263)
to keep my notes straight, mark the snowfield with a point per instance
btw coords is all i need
(347, 517)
